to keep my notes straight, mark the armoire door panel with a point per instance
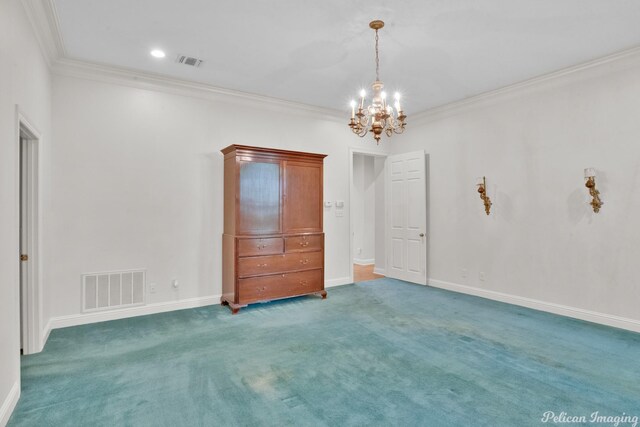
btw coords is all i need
(259, 197)
(303, 197)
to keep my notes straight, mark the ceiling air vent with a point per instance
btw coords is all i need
(188, 60)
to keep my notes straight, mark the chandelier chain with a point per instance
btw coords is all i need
(377, 59)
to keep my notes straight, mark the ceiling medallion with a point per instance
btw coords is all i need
(377, 117)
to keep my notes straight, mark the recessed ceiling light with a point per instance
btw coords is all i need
(157, 53)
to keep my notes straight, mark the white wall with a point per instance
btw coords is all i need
(357, 205)
(369, 214)
(542, 241)
(24, 81)
(137, 183)
(363, 202)
(380, 211)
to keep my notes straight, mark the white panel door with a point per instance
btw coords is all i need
(407, 217)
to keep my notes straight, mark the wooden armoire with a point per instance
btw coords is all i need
(273, 243)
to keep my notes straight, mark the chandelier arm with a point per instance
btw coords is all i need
(362, 132)
(399, 129)
(364, 120)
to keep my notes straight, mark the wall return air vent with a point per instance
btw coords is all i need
(189, 60)
(112, 290)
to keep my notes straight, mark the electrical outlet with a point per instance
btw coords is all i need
(464, 273)
(152, 288)
(481, 276)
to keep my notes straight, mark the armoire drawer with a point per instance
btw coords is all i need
(279, 285)
(253, 247)
(311, 242)
(270, 264)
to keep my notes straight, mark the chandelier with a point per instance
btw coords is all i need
(377, 117)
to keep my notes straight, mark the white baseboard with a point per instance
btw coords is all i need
(337, 282)
(364, 261)
(9, 404)
(381, 271)
(563, 310)
(161, 307)
(86, 318)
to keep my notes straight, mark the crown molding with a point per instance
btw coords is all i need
(520, 88)
(43, 17)
(158, 82)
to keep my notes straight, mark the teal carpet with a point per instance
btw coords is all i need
(382, 353)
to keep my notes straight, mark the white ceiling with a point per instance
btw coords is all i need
(322, 52)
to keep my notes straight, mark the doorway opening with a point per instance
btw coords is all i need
(367, 216)
(28, 148)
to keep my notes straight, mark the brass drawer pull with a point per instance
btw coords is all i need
(304, 282)
(304, 261)
(262, 265)
(262, 246)
(304, 244)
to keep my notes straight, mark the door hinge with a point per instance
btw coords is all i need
(24, 257)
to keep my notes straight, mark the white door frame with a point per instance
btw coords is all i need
(352, 152)
(32, 288)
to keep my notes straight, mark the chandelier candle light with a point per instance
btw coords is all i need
(377, 117)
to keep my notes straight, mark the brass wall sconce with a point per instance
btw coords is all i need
(482, 189)
(590, 176)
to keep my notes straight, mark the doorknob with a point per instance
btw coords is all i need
(24, 257)
(421, 234)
